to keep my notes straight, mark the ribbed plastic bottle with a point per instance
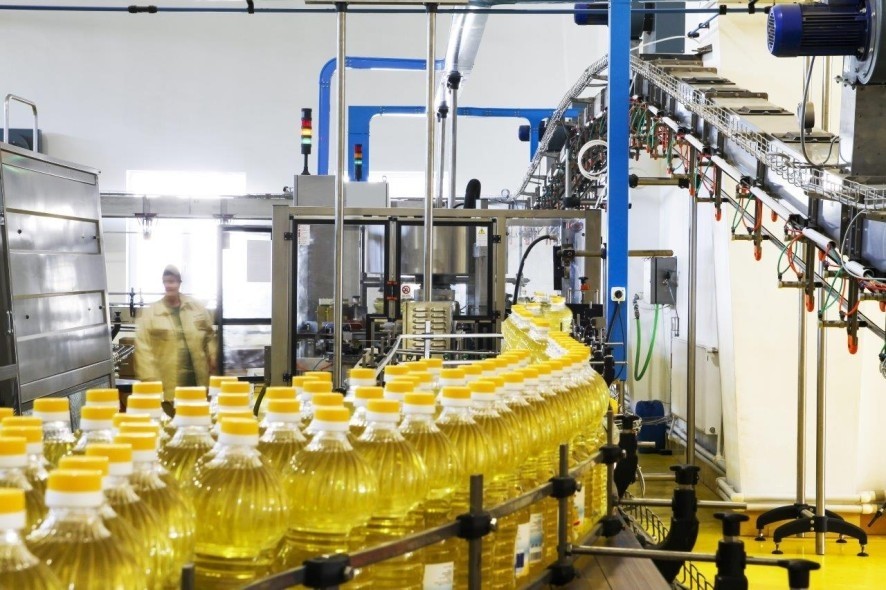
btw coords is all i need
(501, 480)
(475, 453)
(190, 441)
(240, 511)
(166, 499)
(35, 468)
(19, 568)
(322, 516)
(13, 462)
(149, 405)
(58, 438)
(73, 540)
(122, 532)
(444, 475)
(282, 438)
(402, 487)
(272, 393)
(358, 377)
(361, 398)
(96, 426)
(106, 397)
(121, 496)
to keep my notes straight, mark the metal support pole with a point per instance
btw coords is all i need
(339, 207)
(691, 331)
(428, 284)
(801, 386)
(454, 82)
(820, 425)
(442, 165)
(611, 493)
(475, 546)
(826, 94)
(567, 178)
(563, 509)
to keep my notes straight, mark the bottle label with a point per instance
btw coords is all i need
(578, 500)
(536, 536)
(439, 576)
(521, 550)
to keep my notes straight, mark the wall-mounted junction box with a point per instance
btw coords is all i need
(660, 280)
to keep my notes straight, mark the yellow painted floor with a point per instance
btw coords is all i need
(841, 568)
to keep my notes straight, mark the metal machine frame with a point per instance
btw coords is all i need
(283, 263)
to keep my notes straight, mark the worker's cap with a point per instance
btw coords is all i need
(172, 271)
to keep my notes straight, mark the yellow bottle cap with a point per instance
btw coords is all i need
(97, 412)
(190, 394)
(556, 364)
(236, 387)
(239, 426)
(327, 399)
(84, 462)
(148, 387)
(284, 406)
(121, 418)
(215, 381)
(541, 323)
(233, 400)
(127, 427)
(332, 414)
(400, 386)
(419, 399)
(319, 375)
(423, 377)
(369, 393)
(542, 368)
(139, 441)
(7, 412)
(137, 402)
(12, 500)
(51, 405)
(300, 381)
(482, 386)
(453, 374)
(530, 372)
(22, 421)
(513, 377)
(32, 434)
(362, 374)
(100, 396)
(195, 409)
(434, 363)
(13, 445)
(317, 386)
(412, 379)
(383, 406)
(473, 369)
(115, 452)
(454, 392)
(499, 381)
(279, 393)
(74, 480)
(394, 370)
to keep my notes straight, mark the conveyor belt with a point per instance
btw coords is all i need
(618, 573)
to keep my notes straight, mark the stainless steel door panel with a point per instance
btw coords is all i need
(39, 315)
(50, 354)
(54, 384)
(8, 372)
(32, 191)
(56, 234)
(44, 164)
(43, 274)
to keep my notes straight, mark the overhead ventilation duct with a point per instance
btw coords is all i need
(465, 35)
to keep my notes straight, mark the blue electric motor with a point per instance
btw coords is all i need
(837, 28)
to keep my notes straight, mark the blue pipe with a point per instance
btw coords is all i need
(354, 63)
(221, 10)
(360, 119)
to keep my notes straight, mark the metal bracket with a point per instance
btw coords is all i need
(328, 571)
(288, 236)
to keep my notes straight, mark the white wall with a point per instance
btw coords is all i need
(223, 92)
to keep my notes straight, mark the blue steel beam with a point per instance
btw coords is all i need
(617, 182)
(360, 119)
(354, 63)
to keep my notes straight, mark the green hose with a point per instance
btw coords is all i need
(649, 351)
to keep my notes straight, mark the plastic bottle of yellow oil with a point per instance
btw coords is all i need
(58, 438)
(19, 568)
(444, 475)
(144, 404)
(402, 487)
(393, 371)
(122, 532)
(323, 400)
(358, 377)
(240, 511)
(96, 426)
(172, 507)
(397, 389)
(272, 393)
(322, 516)
(310, 388)
(105, 397)
(142, 518)
(215, 383)
(13, 462)
(362, 395)
(190, 441)
(282, 437)
(35, 464)
(475, 452)
(73, 540)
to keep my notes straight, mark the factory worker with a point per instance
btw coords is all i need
(175, 341)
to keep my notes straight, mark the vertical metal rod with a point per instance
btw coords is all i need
(428, 284)
(820, 423)
(442, 166)
(339, 207)
(563, 508)
(801, 387)
(826, 94)
(453, 148)
(691, 329)
(610, 468)
(567, 178)
(475, 546)
(620, 388)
